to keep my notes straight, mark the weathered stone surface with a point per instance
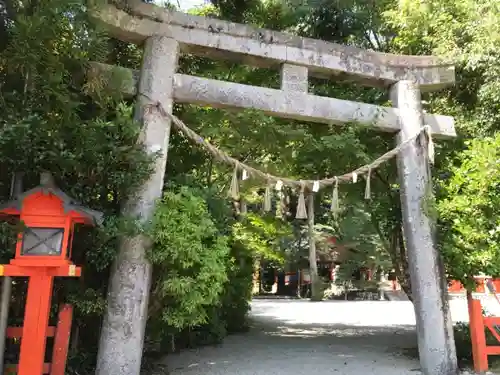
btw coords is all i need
(294, 78)
(263, 47)
(287, 104)
(122, 335)
(436, 343)
(296, 105)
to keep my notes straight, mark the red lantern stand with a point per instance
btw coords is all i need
(43, 251)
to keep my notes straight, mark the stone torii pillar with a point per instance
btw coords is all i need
(122, 338)
(436, 343)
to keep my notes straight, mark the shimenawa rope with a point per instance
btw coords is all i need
(302, 184)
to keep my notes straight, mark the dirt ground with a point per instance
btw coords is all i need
(303, 338)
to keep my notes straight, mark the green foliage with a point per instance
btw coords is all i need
(48, 122)
(305, 150)
(238, 292)
(356, 231)
(202, 293)
(468, 33)
(263, 236)
(88, 303)
(190, 257)
(470, 212)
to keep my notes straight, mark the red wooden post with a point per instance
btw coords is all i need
(61, 340)
(36, 317)
(477, 334)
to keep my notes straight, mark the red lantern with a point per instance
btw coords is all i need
(43, 251)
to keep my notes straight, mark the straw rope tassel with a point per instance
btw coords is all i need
(279, 212)
(430, 144)
(243, 206)
(234, 191)
(283, 205)
(368, 187)
(335, 207)
(267, 198)
(301, 205)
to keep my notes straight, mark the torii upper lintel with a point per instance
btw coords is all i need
(262, 47)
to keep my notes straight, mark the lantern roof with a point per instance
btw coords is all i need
(69, 203)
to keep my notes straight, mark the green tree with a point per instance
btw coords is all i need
(48, 122)
(469, 212)
(467, 33)
(304, 150)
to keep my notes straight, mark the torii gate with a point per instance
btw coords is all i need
(166, 34)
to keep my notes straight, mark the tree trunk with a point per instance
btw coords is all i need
(397, 252)
(404, 269)
(6, 296)
(299, 283)
(316, 292)
(381, 282)
(395, 246)
(256, 277)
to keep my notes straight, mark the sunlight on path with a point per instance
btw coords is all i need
(304, 338)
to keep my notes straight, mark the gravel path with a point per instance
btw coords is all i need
(304, 338)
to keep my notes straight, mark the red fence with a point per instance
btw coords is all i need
(61, 334)
(480, 324)
(457, 287)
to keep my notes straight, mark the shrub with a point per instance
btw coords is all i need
(190, 258)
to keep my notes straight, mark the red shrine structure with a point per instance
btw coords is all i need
(43, 251)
